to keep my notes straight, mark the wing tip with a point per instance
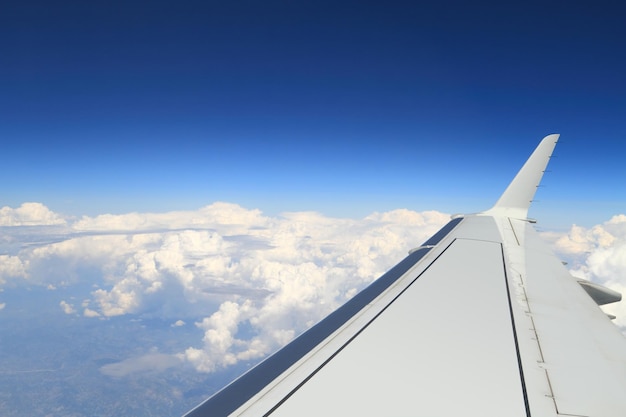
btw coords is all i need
(516, 199)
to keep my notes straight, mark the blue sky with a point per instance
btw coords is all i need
(345, 108)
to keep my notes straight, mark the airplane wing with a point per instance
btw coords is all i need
(480, 320)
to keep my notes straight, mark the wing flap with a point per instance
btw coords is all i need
(392, 365)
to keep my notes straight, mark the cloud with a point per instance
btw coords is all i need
(149, 363)
(90, 313)
(249, 282)
(29, 214)
(221, 346)
(2, 306)
(225, 216)
(67, 308)
(12, 267)
(599, 255)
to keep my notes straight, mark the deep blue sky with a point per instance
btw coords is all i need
(341, 107)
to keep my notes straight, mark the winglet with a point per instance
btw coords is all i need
(516, 199)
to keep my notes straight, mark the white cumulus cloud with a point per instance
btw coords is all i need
(12, 267)
(87, 312)
(599, 255)
(67, 307)
(250, 282)
(29, 214)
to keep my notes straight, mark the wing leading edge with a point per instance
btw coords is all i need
(482, 319)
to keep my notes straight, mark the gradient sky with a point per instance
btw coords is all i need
(341, 107)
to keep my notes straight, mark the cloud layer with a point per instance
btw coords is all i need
(599, 255)
(249, 283)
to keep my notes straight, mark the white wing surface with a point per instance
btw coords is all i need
(481, 320)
